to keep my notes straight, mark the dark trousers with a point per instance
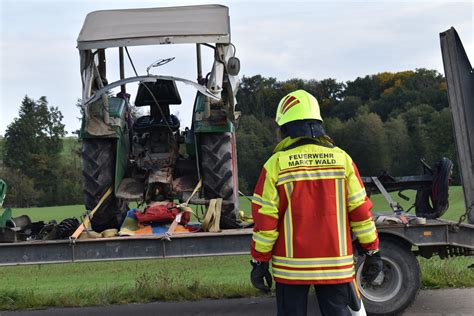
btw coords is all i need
(333, 299)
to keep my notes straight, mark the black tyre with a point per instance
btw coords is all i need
(219, 174)
(433, 202)
(66, 228)
(401, 284)
(98, 172)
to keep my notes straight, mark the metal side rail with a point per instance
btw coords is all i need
(227, 242)
(435, 232)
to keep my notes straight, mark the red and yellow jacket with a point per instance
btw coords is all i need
(307, 201)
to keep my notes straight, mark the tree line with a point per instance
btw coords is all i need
(387, 122)
(41, 167)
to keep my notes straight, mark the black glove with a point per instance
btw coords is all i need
(373, 268)
(259, 275)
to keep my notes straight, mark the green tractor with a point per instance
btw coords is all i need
(150, 158)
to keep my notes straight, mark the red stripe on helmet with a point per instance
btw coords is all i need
(287, 101)
(291, 105)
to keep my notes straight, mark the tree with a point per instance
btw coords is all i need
(365, 140)
(21, 191)
(365, 88)
(347, 108)
(255, 142)
(33, 144)
(400, 146)
(441, 130)
(258, 96)
(418, 121)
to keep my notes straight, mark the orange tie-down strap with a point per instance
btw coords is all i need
(182, 208)
(88, 217)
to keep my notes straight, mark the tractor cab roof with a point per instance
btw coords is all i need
(151, 26)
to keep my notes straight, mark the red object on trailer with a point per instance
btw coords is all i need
(161, 212)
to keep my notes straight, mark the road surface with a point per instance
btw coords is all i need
(453, 302)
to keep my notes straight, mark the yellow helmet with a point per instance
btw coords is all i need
(297, 105)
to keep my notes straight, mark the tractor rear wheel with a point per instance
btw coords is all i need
(98, 158)
(219, 174)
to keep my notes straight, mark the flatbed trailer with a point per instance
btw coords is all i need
(435, 237)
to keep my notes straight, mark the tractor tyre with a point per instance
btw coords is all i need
(219, 174)
(98, 173)
(401, 284)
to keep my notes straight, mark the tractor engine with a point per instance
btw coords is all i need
(155, 141)
(155, 145)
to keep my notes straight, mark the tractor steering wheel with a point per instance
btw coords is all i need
(158, 63)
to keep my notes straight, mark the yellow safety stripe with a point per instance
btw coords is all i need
(269, 199)
(264, 240)
(341, 217)
(310, 175)
(288, 223)
(313, 275)
(265, 236)
(257, 199)
(365, 231)
(355, 191)
(313, 262)
(357, 196)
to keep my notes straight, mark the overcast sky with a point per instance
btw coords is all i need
(287, 39)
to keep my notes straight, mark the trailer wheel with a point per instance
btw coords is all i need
(219, 174)
(98, 172)
(401, 284)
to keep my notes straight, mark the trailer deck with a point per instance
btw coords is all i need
(434, 233)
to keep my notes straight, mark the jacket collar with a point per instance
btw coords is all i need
(285, 143)
(288, 141)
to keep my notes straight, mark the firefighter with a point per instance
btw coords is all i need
(308, 200)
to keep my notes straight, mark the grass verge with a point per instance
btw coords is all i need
(102, 283)
(447, 273)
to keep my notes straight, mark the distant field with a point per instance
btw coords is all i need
(456, 208)
(71, 149)
(456, 202)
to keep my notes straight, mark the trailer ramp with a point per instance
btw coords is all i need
(460, 81)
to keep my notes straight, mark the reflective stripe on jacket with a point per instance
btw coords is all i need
(307, 201)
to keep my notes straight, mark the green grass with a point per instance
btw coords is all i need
(124, 282)
(456, 202)
(99, 283)
(452, 272)
(48, 213)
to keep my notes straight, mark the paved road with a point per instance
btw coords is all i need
(452, 302)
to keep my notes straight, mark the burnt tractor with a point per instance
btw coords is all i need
(150, 157)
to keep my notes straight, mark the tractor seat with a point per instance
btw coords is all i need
(148, 123)
(164, 91)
